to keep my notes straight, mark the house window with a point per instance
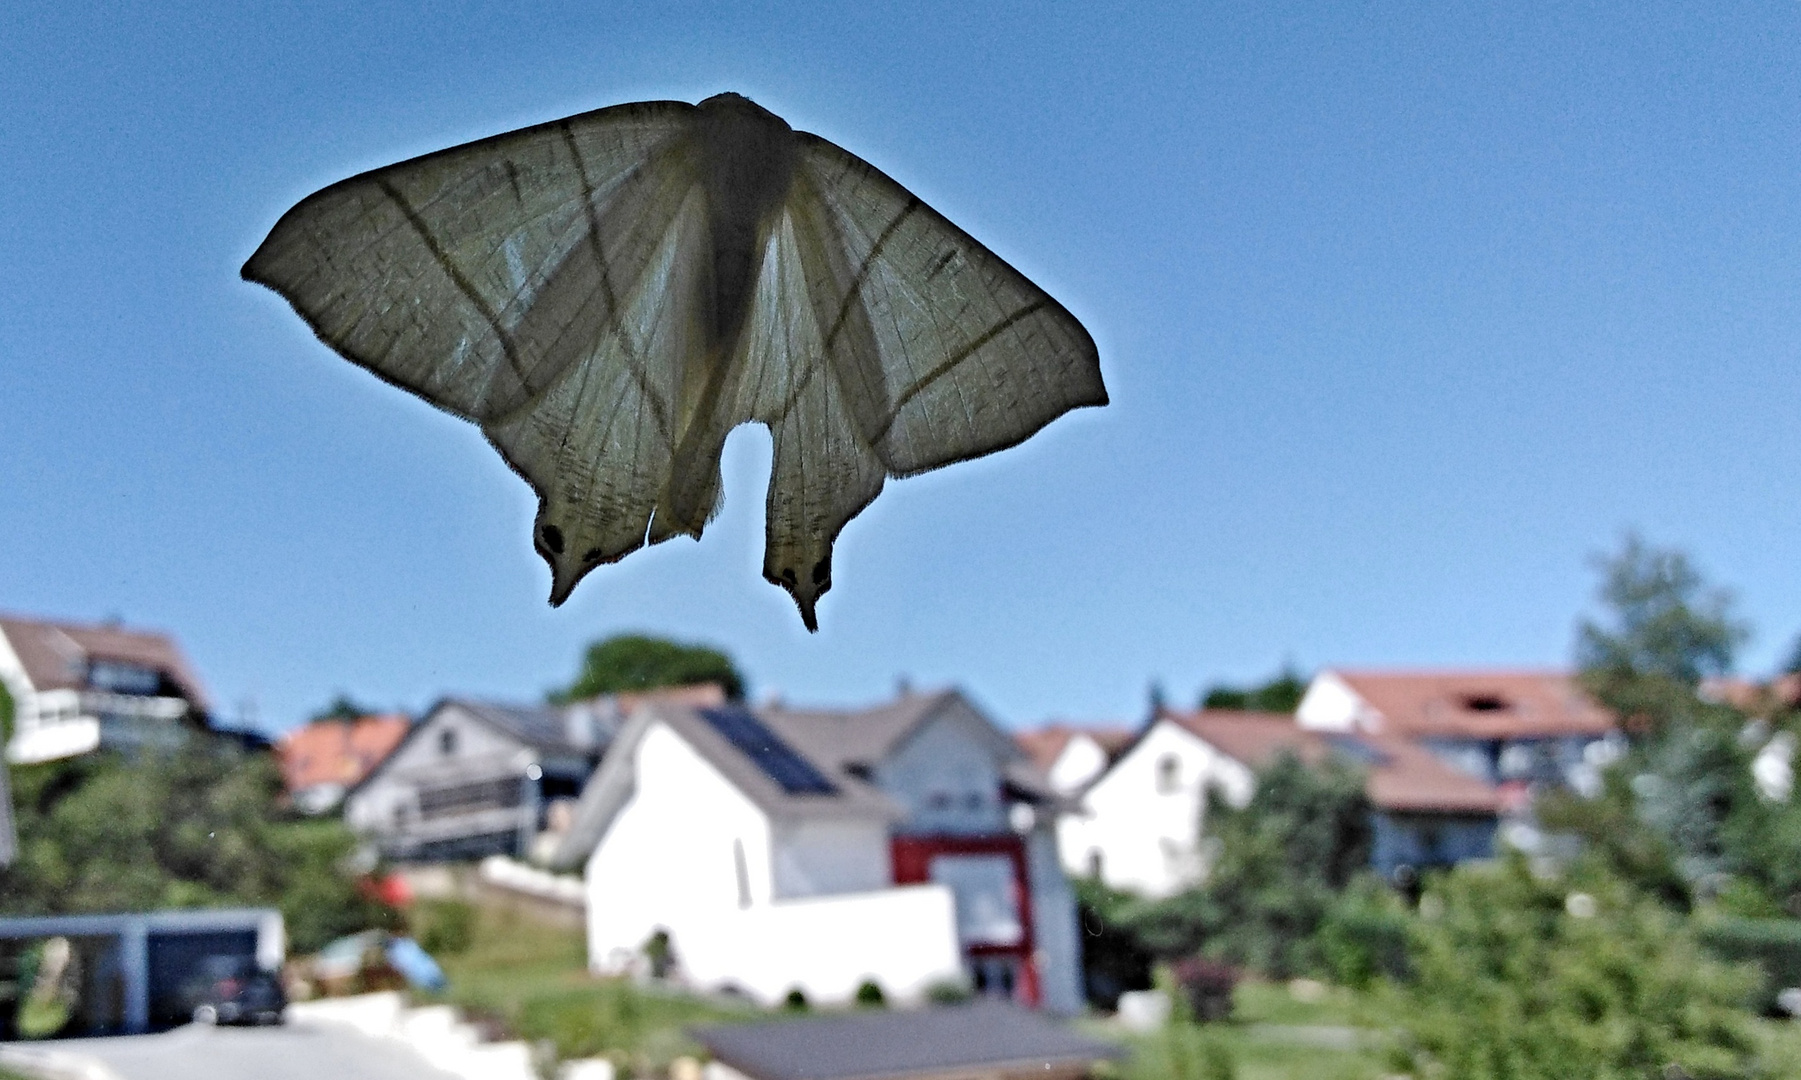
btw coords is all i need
(742, 866)
(447, 742)
(1094, 864)
(1169, 775)
(123, 678)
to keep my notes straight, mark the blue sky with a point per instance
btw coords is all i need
(1406, 311)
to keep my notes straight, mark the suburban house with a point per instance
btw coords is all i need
(1141, 824)
(322, 760)
(476, 778)
(1070, 757)
(76, 688)
(1514, 729)
(908, 844)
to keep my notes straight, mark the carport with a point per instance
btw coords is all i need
(147, 956)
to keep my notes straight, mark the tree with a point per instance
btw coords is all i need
(1280, 863)
(1280, 694)
(200, 827)
(342, 707)
(1664, 622)
(639, 662)
(1522, 977)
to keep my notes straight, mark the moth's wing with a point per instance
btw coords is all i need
(885, 341)
(824, 471)
(952, 353)
(476, 276)
(598, 445)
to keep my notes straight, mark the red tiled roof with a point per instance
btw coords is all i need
(1402, 777)
(1044, 745)
(337, 751)
(1479, 704)
(56, 655)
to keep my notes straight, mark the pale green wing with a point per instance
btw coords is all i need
(598, 446)
(477, 276)
(824, 471)
(886, 342)
(957, 354)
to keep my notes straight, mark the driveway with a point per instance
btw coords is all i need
(296, 1051)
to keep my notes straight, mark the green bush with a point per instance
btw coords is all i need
(870, 996)
(1774, 945)
(444, 927)
(1515, 979)
(202, 827)
(1364, 935)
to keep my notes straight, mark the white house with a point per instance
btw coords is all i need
(1141, 824)
(1071, 757)
(78, 687)
(908, 844)
(1510, 728)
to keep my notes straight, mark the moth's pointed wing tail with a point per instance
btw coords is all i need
(962, 355)
(824, 471)
(597, 446)
(476, 276)
(885, 341)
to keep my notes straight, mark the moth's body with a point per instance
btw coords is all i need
(610, 294)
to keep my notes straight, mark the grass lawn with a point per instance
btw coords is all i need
(532, 978)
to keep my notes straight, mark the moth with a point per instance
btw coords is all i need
(610, 294)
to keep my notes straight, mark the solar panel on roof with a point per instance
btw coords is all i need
(777, 759)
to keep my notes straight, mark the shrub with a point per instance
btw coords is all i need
(796, 1001)
(1364, 935)
(1773, 945)
(870, 996)
(1515, 979)
(444, 927)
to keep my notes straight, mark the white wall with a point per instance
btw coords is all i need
(670, 858)
(1331, 705)
(1082, 760)
(902, 938)
(669, 861)
(818, 858)
(1149, 839)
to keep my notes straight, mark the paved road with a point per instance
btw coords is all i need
(297, 1051)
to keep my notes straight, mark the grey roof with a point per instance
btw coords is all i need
(614, 782)
(989, 1034)
(542, 727)
(843, 739)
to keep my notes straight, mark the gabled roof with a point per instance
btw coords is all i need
(57, 655)
(982, 1038)
(850, 741)
(1044, 745)
(337, 751)
(745, 751)
(1478, 704)
(843, 738)
(1402, 777)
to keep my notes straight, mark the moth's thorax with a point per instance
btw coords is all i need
(747, 165)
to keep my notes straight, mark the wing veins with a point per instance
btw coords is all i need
(854, 294)
(463, 284)
(954, 360)
(633, 363)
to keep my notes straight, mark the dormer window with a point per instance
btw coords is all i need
(1169, 775)
(447, 742)
(118, 677)
(1486, 703)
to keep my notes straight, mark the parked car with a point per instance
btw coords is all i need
(233, 990)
